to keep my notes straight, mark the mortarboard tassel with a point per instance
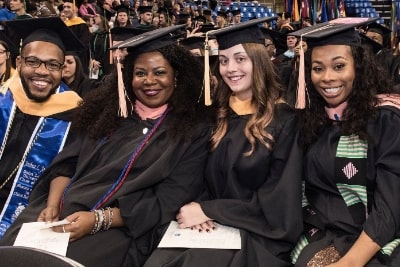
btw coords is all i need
(123, 110)
(301, 83)
(207, 90)
(110, 45)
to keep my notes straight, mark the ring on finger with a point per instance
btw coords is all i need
(63, 228)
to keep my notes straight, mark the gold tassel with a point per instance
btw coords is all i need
(301, 83)
(110, 45)
(207, 90)
(123, 110)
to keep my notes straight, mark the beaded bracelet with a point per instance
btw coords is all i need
(94, 230)
(101, 223)
(110, 218)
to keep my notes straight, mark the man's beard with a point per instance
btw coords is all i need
(34, 97)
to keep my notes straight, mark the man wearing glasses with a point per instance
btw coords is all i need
(35, 110)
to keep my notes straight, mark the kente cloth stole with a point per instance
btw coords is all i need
(45, 143)
(351, 169)
(351, 181)
(350, 165)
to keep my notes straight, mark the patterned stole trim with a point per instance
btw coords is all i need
(390, 247)
(301, 244)
(50, 134)
(356, 191)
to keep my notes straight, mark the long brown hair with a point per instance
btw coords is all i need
(265, 90)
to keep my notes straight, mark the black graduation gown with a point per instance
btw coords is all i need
(260, 195)
(166, 175)
(81, 30)
(99, 44)
(341, 223)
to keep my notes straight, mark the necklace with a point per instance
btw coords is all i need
(42, 122)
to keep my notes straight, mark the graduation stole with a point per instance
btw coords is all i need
(46, 141)
(124, 172)
(351, 175)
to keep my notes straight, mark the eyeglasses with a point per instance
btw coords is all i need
(34, 62)
(3, 51)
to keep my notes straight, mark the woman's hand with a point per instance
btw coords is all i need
(191, 215)
(96, 65)
(207, 226)
(82, 223)
(49, 214)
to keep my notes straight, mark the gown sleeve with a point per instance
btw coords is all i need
(143, 210)
(383, 222)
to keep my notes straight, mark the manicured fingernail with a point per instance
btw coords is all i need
(200, 230)
(207, 230)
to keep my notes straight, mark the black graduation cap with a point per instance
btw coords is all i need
(221, 13)
(10, 45)
(122, 8)
(124, 33)
(207, 27)
(375, 46)
(184, 15)
(378, 28)
(236, 12)
(151, 40)
(165, 11)
(207, 12)
(381, 30)
(245, 32)
(198, 42)
(48, 29)
(193, 42)
(339, 31)
(144, 9)
(201, 18)
(278, 38)
(284, 15)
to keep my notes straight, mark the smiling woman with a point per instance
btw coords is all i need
(153, 79)
(350, 128)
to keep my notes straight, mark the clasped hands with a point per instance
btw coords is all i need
(192, 216)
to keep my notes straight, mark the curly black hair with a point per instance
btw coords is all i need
(370, 80)
(98, 114)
